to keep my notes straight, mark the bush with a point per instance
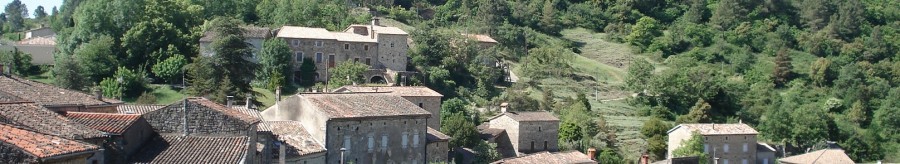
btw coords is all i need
(146, 98)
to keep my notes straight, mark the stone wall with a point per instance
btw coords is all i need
(392, 51)
(200, 120)
(716, 144)
(12, 154)
(537, 136)
(377, 140)
(432, 104)
(512, 132)
(437, 152)
(355, 51)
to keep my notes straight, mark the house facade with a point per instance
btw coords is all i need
(730, 143)
(423, 97)
(519, 133)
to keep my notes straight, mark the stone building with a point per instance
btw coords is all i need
(197, 130)
(255, 36)
(831, 154)
(382, 48)
(567, 157)
(55, 98)
(438, 146)
(731, 143)
(424, 97)
(125, 132)
(523, 132)
(369, 127)
(24, 146)
(484, 41)
(289, 142)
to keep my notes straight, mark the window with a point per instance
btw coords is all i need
(392, 44)
(318, 57)
(726, 138)
(405, 139)
(346, 46)
(532, 145)
(299, 56)
(368, 61)
(320, 44)
(743, 161)
(705, 148)
(725, 161)
(366, 47)
(371, 143)
(545, 145)
(725, 148)
(416, 138)
(765, 160)
(745, 147)
(347, 142)
(540, 129)
(384, 141)
(295, 42)
(421, 105)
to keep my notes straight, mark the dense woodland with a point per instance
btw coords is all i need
(800, 71)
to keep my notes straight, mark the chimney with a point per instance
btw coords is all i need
(229, 100)
(645, 159)
(372, 27)
(503, 107)
(592, 153)
(278, 94)
(98, 94)
(376, 21)
(248, 104)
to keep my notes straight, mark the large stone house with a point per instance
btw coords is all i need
(125, 132)
(20, 145)
(730, 143)
(382, 48)
(519, 133)
(55, 98)
(424, 97)
(368, 127)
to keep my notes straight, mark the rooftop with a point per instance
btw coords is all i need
(718, 129)
(137, 109)
(567, 157)
(33, 117)
(192, 149)
(529, 116)
(337, 105)
(487, 133)
(106, 122)
(46, 94)
(249, 32)
(481, 38)
(403, 91)
(247, 111)
(436, 136)
(292, 133)
(43, 40)
(351, 37)
(41, 145)
(823, 156)
(384, 29)
(304, 33)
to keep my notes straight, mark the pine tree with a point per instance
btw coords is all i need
(847, 22)
(782, 72)
(815, 13)
(728, 14)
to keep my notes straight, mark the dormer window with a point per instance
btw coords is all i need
(320, 44)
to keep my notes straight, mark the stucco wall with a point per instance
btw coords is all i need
(395, 149)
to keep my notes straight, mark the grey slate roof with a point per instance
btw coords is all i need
(192, 149)
(436, 136)
(46, 94)
(298, 141)
(33, 117)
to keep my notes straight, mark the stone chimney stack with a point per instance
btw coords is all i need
(278, 94)
(229, 100)
(249, 103)
(592, 153)
(504, 107)
(98, 94)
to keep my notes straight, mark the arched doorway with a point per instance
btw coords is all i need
(377, 80)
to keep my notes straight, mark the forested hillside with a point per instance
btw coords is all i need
(618, 73)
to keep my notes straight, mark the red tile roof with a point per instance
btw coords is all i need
(46, 94)
(568, 157)
(359, 105)
(292, 133)
(193, 149)
(403, 91)
(137, 109)
(41, 145)
(33, 117)
(106, 122)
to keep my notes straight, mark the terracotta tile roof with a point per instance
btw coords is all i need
(567, 157)
(293, 135)
(137, 109)
(528, 116)
(403, 91)
(33, 117)
(250, 32)
(718, 129)
(46, 94)
(193, 149)
(481, 38)
(358, 105)
(42, 145)
(436, 136)
(44, 40)
(824, 156)
(106, 122)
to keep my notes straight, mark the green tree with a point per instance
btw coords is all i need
(858, 112)
(487, 152)
(700, 113)
(16, 12)
(170, 69)
(347, 73)
(639, 74)
(19, 63)
(453, 106)
(609, 156)
(643, 32)
(653, 127)
(97, 59)
(657, 146)
(67, 73)
(146, 42)
(847, 23)
(728, 14)
(231, 53)
(461, 131)
(203, 76)
(692, 147)
(809, 126)
(124, 84)
(273, 61)
(815, 13)
(307, 72)
(39, 13)
(820, 72)
(570, 131)
(782, 72)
